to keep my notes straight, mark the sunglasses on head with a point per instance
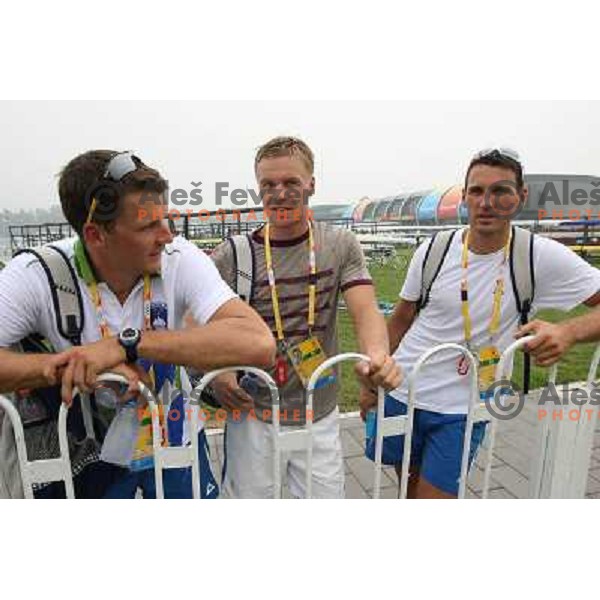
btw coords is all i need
(503, 152)
(119, 166)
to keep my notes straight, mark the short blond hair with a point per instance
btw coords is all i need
(286, 146)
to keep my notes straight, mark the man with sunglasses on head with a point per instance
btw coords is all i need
(136, 282)
(471, 303)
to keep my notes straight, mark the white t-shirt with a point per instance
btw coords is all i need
(562, 281)
(189, 281)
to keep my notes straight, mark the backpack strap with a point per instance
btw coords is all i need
(521, 271)
(245, 266)
(432, 263)
(65, 290)
(522, 277)
(67, 302)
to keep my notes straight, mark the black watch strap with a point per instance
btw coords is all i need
(131, 353)
(129, 340)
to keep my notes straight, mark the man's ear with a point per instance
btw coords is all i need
(524, 194)
(93, 235)
(312, 186)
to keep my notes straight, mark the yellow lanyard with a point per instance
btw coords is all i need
(87, 275)
(494, 325)
(312, 291)
(97, 300)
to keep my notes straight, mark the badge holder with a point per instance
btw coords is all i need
(306, 357)
(488, 359)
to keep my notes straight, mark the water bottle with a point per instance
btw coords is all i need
(370, 424)
(120, 439)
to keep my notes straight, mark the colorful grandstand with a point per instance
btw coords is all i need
(550, 197)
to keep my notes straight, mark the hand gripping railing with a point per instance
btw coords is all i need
(504, 373)
(52, 469)
(310, 389)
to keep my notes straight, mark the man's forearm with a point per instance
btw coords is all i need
(370, 329)
(371, 332)
(369, 324)
(396, 330)
(18, 371)
(400, 322)
(223, 343)
(585, 328)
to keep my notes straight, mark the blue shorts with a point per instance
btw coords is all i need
(177, 483)
(437, 444)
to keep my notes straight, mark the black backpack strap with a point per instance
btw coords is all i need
(522, 276)
(244, 262)
(432, 263)
(64, 287)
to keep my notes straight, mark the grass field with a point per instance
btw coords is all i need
(389, 277)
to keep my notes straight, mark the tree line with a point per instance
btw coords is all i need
(33, 216)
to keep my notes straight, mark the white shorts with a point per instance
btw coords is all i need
(248, 467)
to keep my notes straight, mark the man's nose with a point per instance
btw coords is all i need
(482, 200)
(166, 234)
(274, 195)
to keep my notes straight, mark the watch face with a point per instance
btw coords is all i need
(129, 335)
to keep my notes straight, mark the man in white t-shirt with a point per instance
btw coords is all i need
(136, 283)
(471, 302)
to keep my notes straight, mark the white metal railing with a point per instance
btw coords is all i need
(46, 470)
(329, 363)
(403, 424)
(282, 440)
(53, 469)
(561, 463)
(564, 449)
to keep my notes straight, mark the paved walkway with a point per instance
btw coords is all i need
(514, 448)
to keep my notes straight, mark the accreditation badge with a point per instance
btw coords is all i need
(489, 357)
(143, 454)
(143, 451)
(306, 357)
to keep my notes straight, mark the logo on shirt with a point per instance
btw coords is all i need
(159, 315)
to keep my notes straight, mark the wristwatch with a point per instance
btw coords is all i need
(129, 339)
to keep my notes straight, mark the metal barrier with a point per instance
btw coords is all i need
(174, 457)
(52, 469)
(183, 457)
(310, 390)
(564, 450)
(403, 424)
(46, 470)
(561, 471)
(503, 373)
(564, 446)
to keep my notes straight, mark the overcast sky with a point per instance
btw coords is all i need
(361, 148)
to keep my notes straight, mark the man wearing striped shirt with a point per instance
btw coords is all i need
(294, 259)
